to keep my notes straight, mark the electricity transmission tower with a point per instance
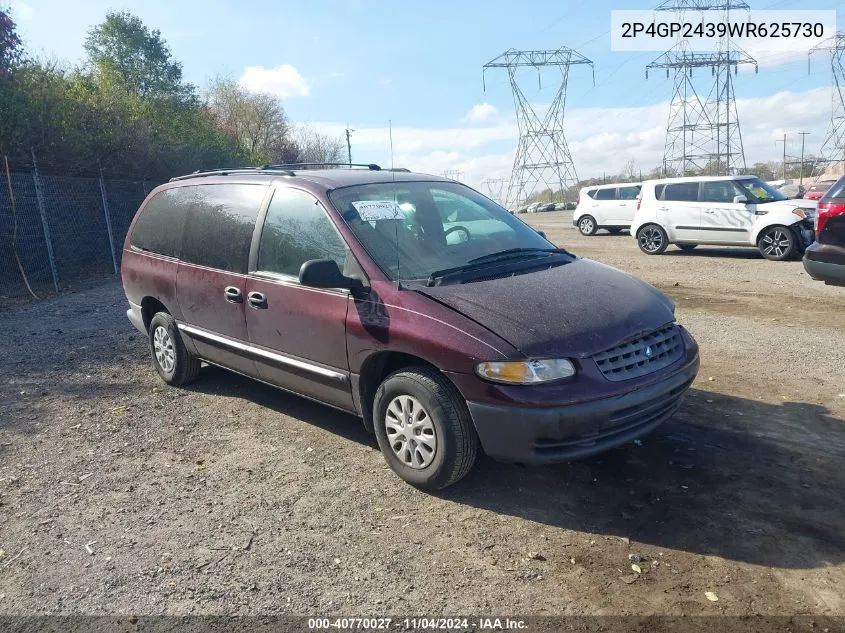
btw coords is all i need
(453, 174)
(496, 189)
(542, 158)
(703, 134)
(833, 146)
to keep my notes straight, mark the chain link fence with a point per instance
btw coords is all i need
(62, 229)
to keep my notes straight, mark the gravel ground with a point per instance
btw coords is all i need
(229, 497)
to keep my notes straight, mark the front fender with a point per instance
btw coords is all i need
(773, 218)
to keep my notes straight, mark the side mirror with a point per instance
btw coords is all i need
(740, 200)
(325, 273)
(541, 234)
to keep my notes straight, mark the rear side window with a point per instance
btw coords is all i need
(159, 227)
(605, 194)
(629, 193)
(681, 192)
(220, 223)
(296, 230)
(837, 190)
(591, 192)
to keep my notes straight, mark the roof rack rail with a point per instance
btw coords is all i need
(370, 166)
(402, 169)
(223, 171)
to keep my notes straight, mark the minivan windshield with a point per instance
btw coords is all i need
(414, 230)
(760, 191)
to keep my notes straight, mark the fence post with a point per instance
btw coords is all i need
(39, 196)
(108, 219)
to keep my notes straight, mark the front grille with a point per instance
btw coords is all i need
(641, 356)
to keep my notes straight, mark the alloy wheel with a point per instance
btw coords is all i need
(651, 239)
(586, 225)
(776, 243)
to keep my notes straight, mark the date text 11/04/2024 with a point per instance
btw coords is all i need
(418, 624)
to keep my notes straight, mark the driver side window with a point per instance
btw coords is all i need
(296, 230)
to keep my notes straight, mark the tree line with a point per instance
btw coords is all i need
(126, 109)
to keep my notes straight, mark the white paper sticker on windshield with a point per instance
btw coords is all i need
(370, 210)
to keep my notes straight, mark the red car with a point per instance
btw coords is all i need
(414, 302)
(817, 190)
(824, 260)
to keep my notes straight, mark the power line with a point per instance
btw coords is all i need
(702, 133)
(542, 155)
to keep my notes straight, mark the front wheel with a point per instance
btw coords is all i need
(652, 239)
(424, 429)
(587, 225)
(778, 243)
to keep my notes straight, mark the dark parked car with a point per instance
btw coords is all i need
(825, 259)
(413, 301)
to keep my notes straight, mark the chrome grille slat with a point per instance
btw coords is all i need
(629, 359)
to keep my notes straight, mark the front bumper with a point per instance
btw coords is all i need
(824, 262)
(559, 434)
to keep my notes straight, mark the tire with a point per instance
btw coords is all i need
(687, 247)
(777, 243)
(587, 225)
(173, 362)
(652, 239)
(451, 447)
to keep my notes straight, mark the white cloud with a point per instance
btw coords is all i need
(601, 140)
(283, 81)
(481, 112)
(21, 11)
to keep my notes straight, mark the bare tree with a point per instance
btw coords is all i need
(256, 121)
(315, 147)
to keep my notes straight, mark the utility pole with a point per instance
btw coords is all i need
(784, 154)
(349, 144)
(801, 173)
(832, 152)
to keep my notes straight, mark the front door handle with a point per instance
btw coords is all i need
(257, 300)
(232, 294)
(710, 212)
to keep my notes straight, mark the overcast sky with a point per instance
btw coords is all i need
(418, 64)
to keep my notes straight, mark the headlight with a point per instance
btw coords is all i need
(526, 372)
(800, 213)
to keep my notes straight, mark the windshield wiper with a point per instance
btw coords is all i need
(510, 253)
(492, 258)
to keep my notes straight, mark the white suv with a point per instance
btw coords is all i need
(724, 210)
(608, 207)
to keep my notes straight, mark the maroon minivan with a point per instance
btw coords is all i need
(413, 301)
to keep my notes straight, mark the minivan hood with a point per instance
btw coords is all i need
(573, 310)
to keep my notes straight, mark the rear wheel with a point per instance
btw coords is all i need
(652, 239)
(687, 247)
(778, 243)
(587, 225)
(424, 428)
(171, 359)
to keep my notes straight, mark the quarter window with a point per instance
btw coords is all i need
(159, 227)
(297, 230)
(606, 194)
(681, 192)
(220, 224)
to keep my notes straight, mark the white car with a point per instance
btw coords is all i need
(608, 207)
(723, 210)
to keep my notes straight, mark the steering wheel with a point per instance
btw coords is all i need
(458, 227)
